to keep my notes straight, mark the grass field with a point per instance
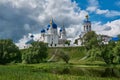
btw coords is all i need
(52, 71)
(76, 69)
(75, 53)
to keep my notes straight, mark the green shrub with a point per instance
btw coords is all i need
(9, 52)
(35, 54)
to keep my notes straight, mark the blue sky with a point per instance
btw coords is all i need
(20, 18)
(103, 5)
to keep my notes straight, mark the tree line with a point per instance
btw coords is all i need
(97, 50)
(10, 53)
(38, 51)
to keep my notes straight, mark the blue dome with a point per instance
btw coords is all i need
(32, 36)
(48, 26)
(43, 31)
(54, 25)
(61, 30)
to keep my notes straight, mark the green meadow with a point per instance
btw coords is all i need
(77, 69)
(40, 62)
(55, 71)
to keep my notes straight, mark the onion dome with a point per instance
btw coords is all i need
(32, 36)
(48, 27)
(61, 30)
(53, 24)
(43, 31)
(87, 20)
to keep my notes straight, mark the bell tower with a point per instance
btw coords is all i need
(87, 24)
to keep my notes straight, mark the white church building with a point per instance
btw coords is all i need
(52, 36)
(55, 36)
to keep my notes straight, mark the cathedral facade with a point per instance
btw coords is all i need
(53, 36)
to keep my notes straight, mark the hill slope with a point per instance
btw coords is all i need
(75, 53)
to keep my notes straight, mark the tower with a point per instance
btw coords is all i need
(62, 36)
(87, 28)
(52, 35)
(63, 33)
(87, 24)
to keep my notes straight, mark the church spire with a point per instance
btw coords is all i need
(51, 20)
(87, 17)
(63, 25)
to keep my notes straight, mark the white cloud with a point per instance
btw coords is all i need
(113, 13)
(108, 13)
(22, 42)
(98, 11)
(93, 3)
(20, 17)
(94, 7)
(91, 8)
(115, 27)
(110, 28)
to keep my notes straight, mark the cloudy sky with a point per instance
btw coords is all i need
(20, 18)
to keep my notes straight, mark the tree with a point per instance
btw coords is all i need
(107, 53)
(94, 54)
(117, 52)
(118, 35)
(95, 47)
(76, 41)
(90, 40)
(104, 52)
(91, 43)
(67, 42)
(64, 56)
(35, 54)
(9, 52)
